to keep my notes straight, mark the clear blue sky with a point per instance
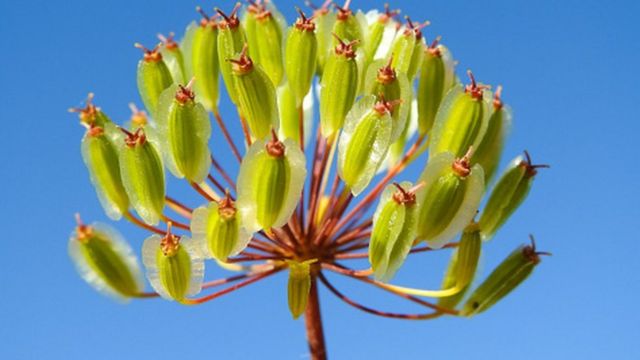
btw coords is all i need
(569, 69)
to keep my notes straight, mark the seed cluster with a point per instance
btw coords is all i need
(386, 99)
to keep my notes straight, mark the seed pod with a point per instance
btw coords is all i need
(231, 39)
(218, 229)
(325, 20)
(100, 156)
(143, 175)
(364, 142)
(290, 114)
(301, 56)
(173, 58)
(339, 85)
(394, 229)
(406, 51)
(436, 79)
(382, 27)
(461, 121)
(489, 151)
(249, 27)
(462, 267)
(256, 95)
(347, 27)
(204, 61)
(270, 182)
(450, 199)
(383, 82)
(299, 286)
(512, 272)
(91, 115)
(270, 48)
(185, 130)
(173, 264)
(104, 260)
(153, 77)
(508, 194)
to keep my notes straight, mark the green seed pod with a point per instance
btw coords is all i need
(436, 79)
(173, 265)
(173, 58)
(185, 130)
(256, 95)
(325, 20)
(508, 194)
(301, 56)
(270, 47)
(461, 121)
(105, 261)
(91, 115)
(382, 27)
(450, 199)
(298, 286)
(231, 39)
(512, 272)
(394, 229)
(348, 27)
(489, 151)
(339, 85)
(218, 229)
(249, 27)
(383, 82)
(270, 182)
(462, 267)
(204, 62)
(143, 175)
(153, 77)
(290, 114)
(364, 142)
(406, 50)
(100, 156)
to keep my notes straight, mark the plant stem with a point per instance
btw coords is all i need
(313, 322)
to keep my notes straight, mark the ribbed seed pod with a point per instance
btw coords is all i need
(406, 50)
(218, 229)
(508, 194)
(377, 30)
(436, 79)
(173, 57)
(143, 175)
(185, 130)
(462, 267)
(298, 286)
(173, 264)
(364, 142)
(339, 85)
(268, 200)
(91, 115)
(270, 47)
(231, 39)
(249, 26)
(394, 229)
(512, 272)
(461, 121)
(290, 114)
(347, 27)
(256, 95)
(489, 150)
(105, 261)
(100, 156)
(325, 20)
(301, 53)
(383, 82)
(205, 64)
(450, 198)
(153, 77)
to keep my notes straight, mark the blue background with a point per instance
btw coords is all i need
(569, 69)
